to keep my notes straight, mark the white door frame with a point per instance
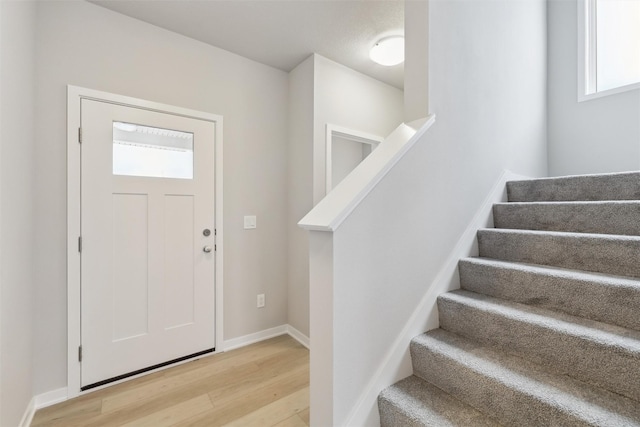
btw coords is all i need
(74, 96)
(351, 135)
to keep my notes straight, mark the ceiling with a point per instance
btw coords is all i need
(281, 33)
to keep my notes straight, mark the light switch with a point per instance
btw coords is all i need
(249, 222)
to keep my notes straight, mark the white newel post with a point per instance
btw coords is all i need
(321, 327)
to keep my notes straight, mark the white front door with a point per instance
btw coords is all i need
(148, 239)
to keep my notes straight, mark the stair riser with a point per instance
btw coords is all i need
(623, 186)
(391, 416)
(414, 402)
(560, 351)
(606, 218)
(509, 406)
(602, 254)
(613, 302)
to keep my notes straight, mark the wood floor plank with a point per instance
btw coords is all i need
(152, 403)
(239, 401)
(210, 391)
(68, 413)
(275, 412)
(135, 395)
(239, 361)
(218, 382)
(305, 415)
(286, 364)
(215, 380)
(174, 414)
(294, 421)
(281, 384)
(157, 402)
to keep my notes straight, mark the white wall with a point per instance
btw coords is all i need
(349, 99)
(17, 250)
(488, 91)
(85, 45)
(322, 91)
(416, 61)
(300, 190)
(346, 154)
(598, 135)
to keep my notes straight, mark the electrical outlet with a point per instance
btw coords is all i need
(260, 300)
(249, 222)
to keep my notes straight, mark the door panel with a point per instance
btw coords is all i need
(147, 286)
(179, 260)
(130, 266)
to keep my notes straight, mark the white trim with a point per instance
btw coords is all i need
(394, 364)
(73, 231)
(74, 96)
(338, 205)
(586, 49)
(603, 93)
(587, 55)
(349, 134)
(253, 338)
(266, 334)
(42, 401)
(29, 412)
(299, 336)
(51, 398)
(219, 231)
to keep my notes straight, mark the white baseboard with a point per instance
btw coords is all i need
(253, 338)
(28, 414)
(397, 362)
(265, 335)
(51, 398)
(299, 336)
(42, 401)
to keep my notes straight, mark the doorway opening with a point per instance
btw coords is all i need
(345, 150)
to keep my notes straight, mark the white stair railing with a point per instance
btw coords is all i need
(333, 394)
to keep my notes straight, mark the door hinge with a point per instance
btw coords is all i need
(215, 231)
(80, 354)
(215, 247)
(79, 135)
(80, 244)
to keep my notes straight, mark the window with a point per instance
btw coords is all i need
(151, 152)
(609, 56)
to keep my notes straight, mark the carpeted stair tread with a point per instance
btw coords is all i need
(613, 186)
(605, 217)
(545, 330)
(598, 353)
(599, 253)
(601, 297)
(515, 391)
(412, 402)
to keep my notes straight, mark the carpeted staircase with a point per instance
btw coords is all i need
(546, 328)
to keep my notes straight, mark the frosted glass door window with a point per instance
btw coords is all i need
(618, 43)
(151, 152)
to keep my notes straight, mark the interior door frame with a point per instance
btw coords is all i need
(349, 134)
(75, 95)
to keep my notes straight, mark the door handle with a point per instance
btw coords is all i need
(207, 249)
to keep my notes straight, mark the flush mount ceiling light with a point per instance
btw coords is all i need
(388, 51)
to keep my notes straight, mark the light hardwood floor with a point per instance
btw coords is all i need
(264, 384)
